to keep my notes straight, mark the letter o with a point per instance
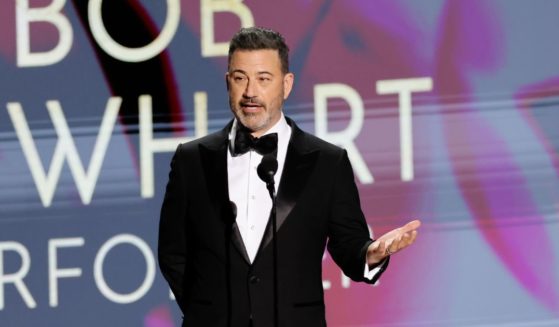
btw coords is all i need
(98, 269)
(118, 51)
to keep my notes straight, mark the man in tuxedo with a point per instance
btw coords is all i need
(216, 246)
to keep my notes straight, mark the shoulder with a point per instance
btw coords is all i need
(215, 141)
(307, 142)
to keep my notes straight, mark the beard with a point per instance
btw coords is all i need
(258, 120)
(253, 121)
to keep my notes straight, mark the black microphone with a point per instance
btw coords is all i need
(267, 169)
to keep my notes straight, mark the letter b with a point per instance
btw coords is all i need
(50, 14)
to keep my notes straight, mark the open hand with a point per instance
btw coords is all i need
(392, 242)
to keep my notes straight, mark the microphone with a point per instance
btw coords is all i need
(267, 170)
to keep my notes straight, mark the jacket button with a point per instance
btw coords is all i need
(253, 279)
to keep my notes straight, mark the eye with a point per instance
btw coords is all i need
(239, 78)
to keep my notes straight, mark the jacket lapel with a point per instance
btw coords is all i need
(213, 154)
(299, 163)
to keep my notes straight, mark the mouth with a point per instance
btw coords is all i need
(251, 106)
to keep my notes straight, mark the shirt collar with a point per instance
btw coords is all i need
(281, 127)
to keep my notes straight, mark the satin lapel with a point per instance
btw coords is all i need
(214, 162)
(237, 240)
(298, 166)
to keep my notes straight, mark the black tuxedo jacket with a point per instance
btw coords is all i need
(201, 252)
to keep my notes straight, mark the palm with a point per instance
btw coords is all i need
(392, 242)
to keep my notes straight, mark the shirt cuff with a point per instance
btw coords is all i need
(371, 273)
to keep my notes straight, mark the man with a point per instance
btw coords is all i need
(215, 240)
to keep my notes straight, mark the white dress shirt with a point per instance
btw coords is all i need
(249, 192)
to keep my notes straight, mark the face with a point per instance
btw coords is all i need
(257, 88)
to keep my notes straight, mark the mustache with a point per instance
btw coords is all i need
(251, 102)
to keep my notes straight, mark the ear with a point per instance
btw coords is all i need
(227, 81)
(288, 80)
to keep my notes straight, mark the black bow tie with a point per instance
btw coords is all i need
(263, 145)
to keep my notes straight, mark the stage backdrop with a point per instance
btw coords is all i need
(449, 111)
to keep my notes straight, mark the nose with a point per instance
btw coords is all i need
(250, 90)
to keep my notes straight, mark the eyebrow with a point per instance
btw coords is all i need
(245, 73)
(238, 71)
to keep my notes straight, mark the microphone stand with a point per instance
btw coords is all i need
(230, 217)
(272, 191)
(266, 171)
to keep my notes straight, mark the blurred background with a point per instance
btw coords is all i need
(449, 110)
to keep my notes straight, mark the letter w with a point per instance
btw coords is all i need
(65, 148)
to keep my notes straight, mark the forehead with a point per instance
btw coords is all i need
(255, 61)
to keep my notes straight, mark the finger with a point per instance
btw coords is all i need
(392, 247)
(413, 236)
(382, 247)
(407, 240)
(411, 226)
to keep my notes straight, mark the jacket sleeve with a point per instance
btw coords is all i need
(348, 234)
(172, 253)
